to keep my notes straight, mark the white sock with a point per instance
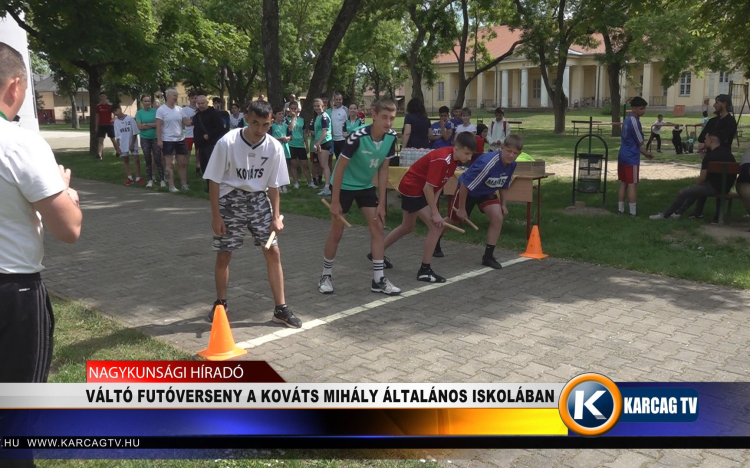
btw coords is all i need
(327, 267)
(377, 270)
(130, 177)
(621, 207)
(632, 209)
(137, 179)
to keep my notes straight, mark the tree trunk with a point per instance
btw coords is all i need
(270, 38)
(95, 86)
(325, 56)
(416, 83)
(73, 111)
(461, 96)
(560, 104)
(614, 95)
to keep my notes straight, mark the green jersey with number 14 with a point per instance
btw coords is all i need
(365, 157)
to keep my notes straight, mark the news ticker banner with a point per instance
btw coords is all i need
(198, 405)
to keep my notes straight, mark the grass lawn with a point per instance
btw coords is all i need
(671, 248)
(64, 127)
(82, 334)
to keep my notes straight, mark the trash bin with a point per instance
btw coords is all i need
(679, 111)
(589, 173)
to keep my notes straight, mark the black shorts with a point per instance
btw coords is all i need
(338, 147)
(326, 146)
(298, 153)
(367, 198)
(106, 130)
(26, 328)
(174, 147)
(413, 204)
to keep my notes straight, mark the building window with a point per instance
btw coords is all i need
(723, 77)
(685, 80)
(536, 88)
(441, 91)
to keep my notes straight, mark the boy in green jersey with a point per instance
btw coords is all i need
(281, 131)
(365, 154)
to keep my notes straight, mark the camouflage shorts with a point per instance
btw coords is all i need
(239, 210)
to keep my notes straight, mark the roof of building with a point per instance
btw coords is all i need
(48, 85)
(505, 38)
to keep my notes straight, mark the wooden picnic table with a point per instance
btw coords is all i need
(596, 124)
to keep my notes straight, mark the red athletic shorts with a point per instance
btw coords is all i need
(189, 143)
(628, 174)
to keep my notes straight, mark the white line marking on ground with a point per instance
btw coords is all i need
(254, 343)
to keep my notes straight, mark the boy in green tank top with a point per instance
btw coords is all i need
(365, 154)
(298, 146)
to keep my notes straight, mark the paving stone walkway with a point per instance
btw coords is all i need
(145, 258)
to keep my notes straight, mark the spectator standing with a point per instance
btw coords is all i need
(235, 118)
(187, 113)
(104, 125)
(35, 192)
(498, 131)
(629, 156)
(219, 107)
(466, 125)
(339, 114)
(127, 132)
(171, 138)
(145, 117)
(209, 128)
(417, 131)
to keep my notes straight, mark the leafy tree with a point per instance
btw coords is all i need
(549, 28)
(72, 32)
(432, 32)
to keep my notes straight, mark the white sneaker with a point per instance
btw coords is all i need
(150, 184)
(284, 189)
(296, 185)
(675, 216)
(162, 184)
(325, 192)
(185, 188)
(657, 216)
(385, 287)
(312, 185)
(173, 189)
(325, 285)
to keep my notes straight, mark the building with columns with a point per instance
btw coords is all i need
(517, 82)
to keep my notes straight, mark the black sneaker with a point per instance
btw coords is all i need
(282, 314)
(620, 213)
(491, 262)
(438, 253)
(198, 172)
(213, 310)
(429, 276)
(386, 263)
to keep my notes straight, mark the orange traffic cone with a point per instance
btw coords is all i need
(221, 344)
(534, 247)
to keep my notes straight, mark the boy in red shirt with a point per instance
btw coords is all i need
(420, 189)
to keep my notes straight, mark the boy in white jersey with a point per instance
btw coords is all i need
(126, 134)
(245, 172)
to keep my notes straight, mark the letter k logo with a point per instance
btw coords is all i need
(589, 404)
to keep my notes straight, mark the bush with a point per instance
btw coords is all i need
(607, 110)
(67, 115)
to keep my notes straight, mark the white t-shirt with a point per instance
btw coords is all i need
(238, 164)
(188, 112)
(498, 131)
(233, 123)
(657, 126)
(125, 128)
(171, 123)
(28, 173)
(466, 128)
(338, 117)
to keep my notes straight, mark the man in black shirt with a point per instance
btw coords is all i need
(707, 185)
(208, 128)
(723, 123)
